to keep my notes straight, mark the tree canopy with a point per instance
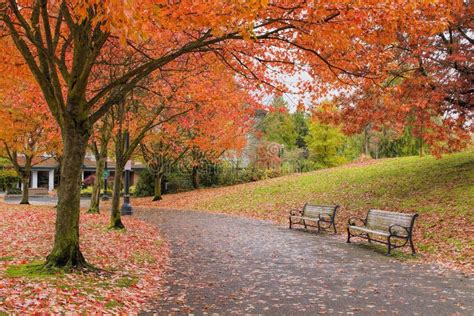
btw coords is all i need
(87, 57)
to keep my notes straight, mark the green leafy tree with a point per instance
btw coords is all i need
(300, 121)
(8, 178)
(325, 144)
(278, 125)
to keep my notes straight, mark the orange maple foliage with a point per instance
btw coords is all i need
(217, 114)
(429, 89)
(65, 43)
(28, 130)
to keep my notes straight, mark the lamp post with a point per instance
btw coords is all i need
(126, 207)
(105, 196)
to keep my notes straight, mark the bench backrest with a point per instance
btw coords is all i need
(311, 210)
(381, 220)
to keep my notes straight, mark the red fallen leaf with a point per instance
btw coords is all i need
(119, 252)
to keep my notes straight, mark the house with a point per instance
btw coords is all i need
(45, 171)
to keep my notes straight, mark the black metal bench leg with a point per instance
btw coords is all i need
(289, 220)
(334, 226)
(413, 252)
(305, 226)
(389, 247)
(348, 236)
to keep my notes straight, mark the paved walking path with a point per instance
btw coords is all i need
(223, 264)
(41, 200)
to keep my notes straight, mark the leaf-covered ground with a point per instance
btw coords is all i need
(440, 190)
(133, 261)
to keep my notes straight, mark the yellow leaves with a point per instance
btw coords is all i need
(248, 32)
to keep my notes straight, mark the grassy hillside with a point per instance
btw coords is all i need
(440, 190)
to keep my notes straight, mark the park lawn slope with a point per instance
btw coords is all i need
(440, 190)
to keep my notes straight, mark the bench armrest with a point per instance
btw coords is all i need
(296, 212)
(395, 229)
(325, 217)
(353, 221)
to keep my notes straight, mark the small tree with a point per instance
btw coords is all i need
(325, 144)
(27, 131)
(99, 145)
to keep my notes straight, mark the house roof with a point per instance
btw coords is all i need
(88, 163)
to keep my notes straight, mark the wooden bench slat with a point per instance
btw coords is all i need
(316, 213)
(371, 231)
(305, 218)
(388, 224)
(381, 220)
(315, 210)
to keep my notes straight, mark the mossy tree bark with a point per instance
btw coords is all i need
(25, 182)
(115, 216)
(25, 175)
(158, 178)
(66, 253)
(98, 184)
(100, 148)
(23, 172)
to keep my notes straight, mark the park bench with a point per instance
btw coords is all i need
(391, 226)
(320, 216)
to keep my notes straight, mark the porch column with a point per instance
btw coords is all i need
(51, 180)
(34, 179)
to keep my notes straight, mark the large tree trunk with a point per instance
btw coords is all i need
(98, 182)
(158, 178)
(25, 181)
(66, 253)
(115, 216)
(195, 177)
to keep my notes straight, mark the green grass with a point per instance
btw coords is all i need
(30, 270)
(424, 185)
(441, 191)
(127, 281)
(141, 258)
(6, 258)
(113, 304)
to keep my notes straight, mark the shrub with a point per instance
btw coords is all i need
(14, 191)
(228, 175)
(145, 185)
(308, 165)
(88, 191)
(8, 178)
(271, 173)
(178, 182)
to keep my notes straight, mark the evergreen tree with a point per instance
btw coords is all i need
(278, 125)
